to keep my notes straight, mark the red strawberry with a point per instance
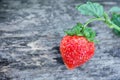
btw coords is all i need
(76, 49)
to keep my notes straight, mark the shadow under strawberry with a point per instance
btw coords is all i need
(58, 59)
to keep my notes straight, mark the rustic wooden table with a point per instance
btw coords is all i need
(30, 33)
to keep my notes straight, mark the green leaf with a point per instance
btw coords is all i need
(115, 9)
(116, 20)
(91, 9)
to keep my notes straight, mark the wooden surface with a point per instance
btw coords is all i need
(30, 33)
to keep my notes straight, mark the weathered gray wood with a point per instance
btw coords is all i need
(30, 33)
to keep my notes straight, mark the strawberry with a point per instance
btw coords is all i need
(77, 47)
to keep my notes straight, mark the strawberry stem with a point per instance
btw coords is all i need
(92, 20)
(105, 19)
(110, 23)
(115, 27)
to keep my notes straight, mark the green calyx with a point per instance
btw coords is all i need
(80, 30)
